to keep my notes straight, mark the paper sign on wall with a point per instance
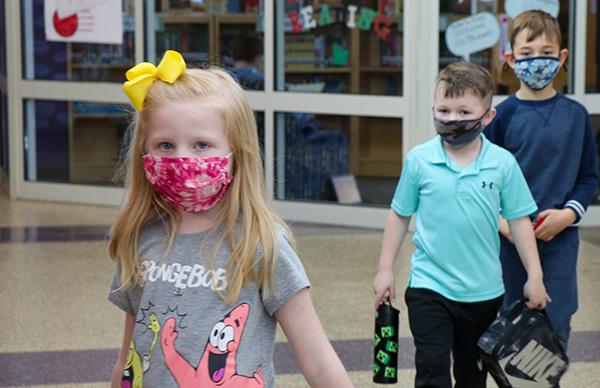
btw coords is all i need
(472, 34)
(91, 21)
(514, 7)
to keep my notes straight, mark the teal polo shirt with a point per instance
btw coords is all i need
(457, 213)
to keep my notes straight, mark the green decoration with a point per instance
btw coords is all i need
(367, 15)
(325, 18)
(340, 55)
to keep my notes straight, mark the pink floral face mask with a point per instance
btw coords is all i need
(190, 184)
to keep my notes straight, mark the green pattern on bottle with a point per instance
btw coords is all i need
(391, 346)
(389, 372)
(387, 331)
(383, 357)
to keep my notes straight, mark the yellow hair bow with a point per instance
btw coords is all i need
(142, 75)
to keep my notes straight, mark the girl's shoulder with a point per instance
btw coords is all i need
(282, 230)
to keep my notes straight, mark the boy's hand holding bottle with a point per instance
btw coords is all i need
(384, 286)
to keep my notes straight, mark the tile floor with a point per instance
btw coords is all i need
(58, 330)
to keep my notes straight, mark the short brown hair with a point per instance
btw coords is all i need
(248, 47)
(462, 77)
(538, 23)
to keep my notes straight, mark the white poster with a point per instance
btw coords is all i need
(514, 7)
(90, 21)
(472, 34)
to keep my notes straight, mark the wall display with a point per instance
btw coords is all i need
(333, 46)
(472, 34)
(83, 21)
(350, 15)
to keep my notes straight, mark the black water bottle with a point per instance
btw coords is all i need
(385, 362)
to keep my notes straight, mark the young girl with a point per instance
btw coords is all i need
(205, 269)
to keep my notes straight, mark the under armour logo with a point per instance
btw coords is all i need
(484, 184)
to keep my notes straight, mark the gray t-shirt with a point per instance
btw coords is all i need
(185, 335)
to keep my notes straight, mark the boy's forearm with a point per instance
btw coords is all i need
(524, 239)
(393, 235)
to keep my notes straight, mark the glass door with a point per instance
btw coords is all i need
(3, 100)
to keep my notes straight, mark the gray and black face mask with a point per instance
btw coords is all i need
(458, 132)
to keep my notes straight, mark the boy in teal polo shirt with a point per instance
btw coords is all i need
(458, 184)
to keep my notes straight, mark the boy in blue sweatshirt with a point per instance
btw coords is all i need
(551, 137)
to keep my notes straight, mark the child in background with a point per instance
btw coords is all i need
(205, 269)
(247, 55)
(551, 137)
(456, 184)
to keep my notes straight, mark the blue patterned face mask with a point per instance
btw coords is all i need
(537, 72)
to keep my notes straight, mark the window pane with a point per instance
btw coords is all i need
(77, 142)
(334, 47)
(260, 127)
(596, 127)
(592, 79)
(226, 33)
(3, 96)
(481, 31)
(3, 132)
(344, 159)
(3, 70)
(80, 142)
(74, 61)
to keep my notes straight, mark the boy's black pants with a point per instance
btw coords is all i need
(441, 326)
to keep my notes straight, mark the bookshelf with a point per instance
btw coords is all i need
(204, 33)
(95, 130)
(373, 66)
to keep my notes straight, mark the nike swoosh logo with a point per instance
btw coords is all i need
(517, 382)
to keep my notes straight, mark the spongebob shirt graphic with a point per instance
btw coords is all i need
(134, 366)
(185, 335)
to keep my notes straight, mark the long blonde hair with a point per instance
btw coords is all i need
(249, 223)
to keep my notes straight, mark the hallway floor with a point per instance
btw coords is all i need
(59, 330)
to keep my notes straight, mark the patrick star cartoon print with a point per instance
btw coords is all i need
(217, 367)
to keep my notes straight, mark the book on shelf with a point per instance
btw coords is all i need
(300, 52)
(391, 51)
(104, 54)
(217, 6)
(98, 108)
(193, 44)
(312, 51)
